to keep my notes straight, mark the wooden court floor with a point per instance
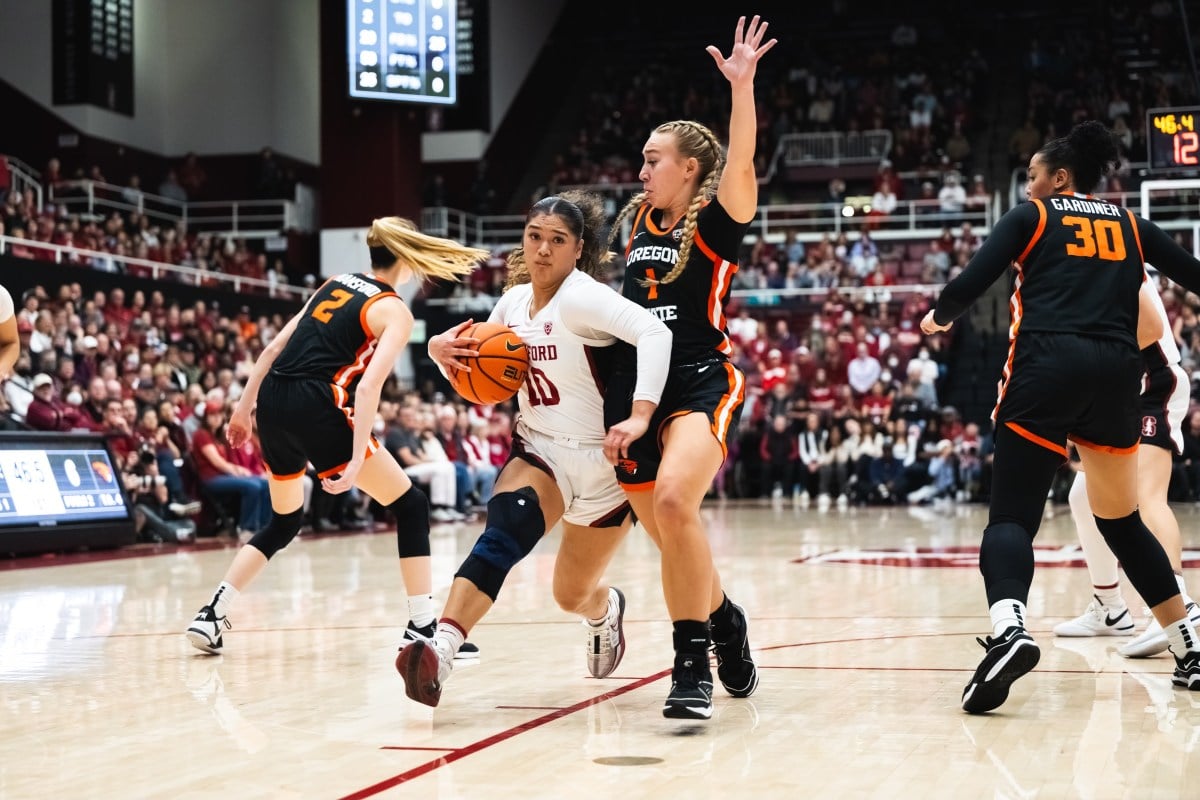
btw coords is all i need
(863, 623)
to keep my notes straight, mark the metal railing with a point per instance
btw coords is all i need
(155, 270)
(810, 221)
(244, 218)
(25, 177)
(832, 148)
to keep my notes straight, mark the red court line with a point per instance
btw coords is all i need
(497, 738)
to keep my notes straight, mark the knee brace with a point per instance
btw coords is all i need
(279, 532)
(1006, 562)
(411, 510)
(1145, 562)
(515, 523)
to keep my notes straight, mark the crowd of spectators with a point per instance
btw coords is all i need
(135, 235)
(158, 381)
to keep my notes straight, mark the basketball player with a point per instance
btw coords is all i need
(688, 224)
(557, 468)
(1165, 397)
(10, 339)
(323, 372)
(1073, 372)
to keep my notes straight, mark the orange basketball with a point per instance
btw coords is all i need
(499, 369)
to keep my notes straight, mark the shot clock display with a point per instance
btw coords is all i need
(60, 491)
(1173, 138)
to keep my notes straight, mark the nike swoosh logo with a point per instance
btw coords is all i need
(510, 347)
(701, 369)
(1110, 620)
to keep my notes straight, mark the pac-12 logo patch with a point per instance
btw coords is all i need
(1149, 426)
(549, 326)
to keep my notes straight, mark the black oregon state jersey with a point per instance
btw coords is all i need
(1079, 263)
(332, 342)
(693, 305)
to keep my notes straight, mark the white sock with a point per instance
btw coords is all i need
(420, 609)
(1110, 596)
(449, 636)
(1101, 563)
(1007, 614)
(1183, 589)
(1181, 637)
(223, 599)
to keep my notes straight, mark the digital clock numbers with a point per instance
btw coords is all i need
(1173, 139)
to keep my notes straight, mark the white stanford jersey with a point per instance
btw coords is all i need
(1166, 343)
(567, 343)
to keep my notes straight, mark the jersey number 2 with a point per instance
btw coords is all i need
(1102, 238)
(324, 310)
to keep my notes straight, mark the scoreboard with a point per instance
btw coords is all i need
(60, 491)
(1173, 139)
(403, 50)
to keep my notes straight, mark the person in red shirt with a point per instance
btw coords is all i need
(47, 411)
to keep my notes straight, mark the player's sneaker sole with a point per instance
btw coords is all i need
(1154, 639)
(417, 664)
(1007, 659)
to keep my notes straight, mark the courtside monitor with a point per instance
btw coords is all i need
(60, 491)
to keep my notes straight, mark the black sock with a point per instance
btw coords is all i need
(691, 636)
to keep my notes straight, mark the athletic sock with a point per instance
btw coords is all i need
(1181, 637)
(223, 598)
(1110, 596)
(450, 635)
(1007, 614)
(420, 609)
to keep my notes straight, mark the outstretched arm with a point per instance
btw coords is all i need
(738, 189)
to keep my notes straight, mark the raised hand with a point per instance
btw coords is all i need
(748, 48)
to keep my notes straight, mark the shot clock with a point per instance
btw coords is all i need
(1173, 139)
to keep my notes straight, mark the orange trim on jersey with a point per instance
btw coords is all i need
(1037, 234)
(722, 276)
(642, 211)
(290, 477)
(362, 312)
(1103, 448)
(1137, 237)
(1025, 433)
(723, 416)
(637, 487)
(372, 448)
(1017, 311)
(654, 229)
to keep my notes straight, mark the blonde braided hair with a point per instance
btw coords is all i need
(692, 140)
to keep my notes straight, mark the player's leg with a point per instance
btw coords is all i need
(525, 504)
(1154, 476)
(579, 588)
(1107, 614)
(287, 513)
(1115, 501)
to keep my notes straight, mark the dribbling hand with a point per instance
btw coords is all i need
(447, 348)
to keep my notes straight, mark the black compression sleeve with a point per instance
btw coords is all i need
(1161, 251)
(1008, 238)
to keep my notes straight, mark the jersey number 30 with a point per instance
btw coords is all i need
(1096, 238)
